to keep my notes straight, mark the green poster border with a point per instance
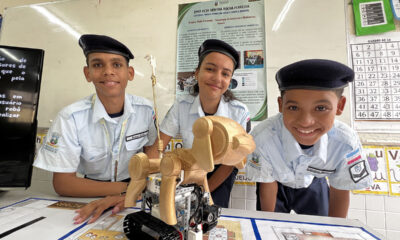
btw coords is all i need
(389, 26)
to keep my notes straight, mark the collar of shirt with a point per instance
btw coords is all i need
(196, 108)
(99, 112)
(292, 149)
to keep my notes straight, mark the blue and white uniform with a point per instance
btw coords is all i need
(180, 118)
(279, 157)
(83, 138)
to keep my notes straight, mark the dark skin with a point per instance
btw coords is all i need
(95, 208)
(214, 75)
(110, 74)
(309, 114)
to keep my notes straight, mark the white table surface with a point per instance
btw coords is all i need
(9, 197)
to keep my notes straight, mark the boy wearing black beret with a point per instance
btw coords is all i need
(303, 145)
(98, 135)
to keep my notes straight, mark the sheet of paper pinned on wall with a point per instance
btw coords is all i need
(372, 17)
(375, 91)
(384, 163)
(393, 164)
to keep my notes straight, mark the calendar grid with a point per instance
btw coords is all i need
(377, 80)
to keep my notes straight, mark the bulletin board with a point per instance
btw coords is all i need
(294, 30)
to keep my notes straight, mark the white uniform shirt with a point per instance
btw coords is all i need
(84, 139)
(279, 157)
(187, 110)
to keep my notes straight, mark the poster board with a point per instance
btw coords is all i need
(240, 24)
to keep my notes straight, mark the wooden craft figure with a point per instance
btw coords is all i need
(217, 140)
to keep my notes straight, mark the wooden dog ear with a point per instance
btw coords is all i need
(201, 147)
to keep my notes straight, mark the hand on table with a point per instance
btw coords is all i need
(95, 208)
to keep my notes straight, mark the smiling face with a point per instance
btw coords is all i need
(109, 73)
(214, 76)
(309, 114)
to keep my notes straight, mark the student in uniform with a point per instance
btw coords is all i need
(98, 135)
(303, 144)
(209, 96)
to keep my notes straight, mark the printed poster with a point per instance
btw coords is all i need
(375, 59)
(231, 229)
(385, 170)
(375, 155)
(276, 230)
(393, 162)
(237, 22)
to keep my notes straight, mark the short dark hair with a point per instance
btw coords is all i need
(87, 60)
(337, 91)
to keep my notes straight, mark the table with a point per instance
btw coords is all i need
(251, 224)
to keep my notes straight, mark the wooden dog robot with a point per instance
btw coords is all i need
(217, 140)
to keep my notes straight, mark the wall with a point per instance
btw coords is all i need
(310, 29)
(55, 27)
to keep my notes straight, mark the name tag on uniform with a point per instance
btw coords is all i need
(320, 171)
(136, 136)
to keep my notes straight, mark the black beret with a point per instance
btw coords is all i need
(314, 74)
(100, 43)
(215, 45)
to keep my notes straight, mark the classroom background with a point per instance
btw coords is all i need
(307, 29)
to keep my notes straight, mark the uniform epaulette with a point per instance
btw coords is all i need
(237, 103)
(265, 127)
(186, 98)
(136, 100)
(78, 106)
(343, 133)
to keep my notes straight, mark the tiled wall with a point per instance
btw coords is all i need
(381, 213)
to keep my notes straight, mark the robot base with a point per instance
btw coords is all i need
(194, 214)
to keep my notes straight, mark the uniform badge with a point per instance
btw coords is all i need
(52, 144)
(255, 161)
(54, 139)
(358, 171)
